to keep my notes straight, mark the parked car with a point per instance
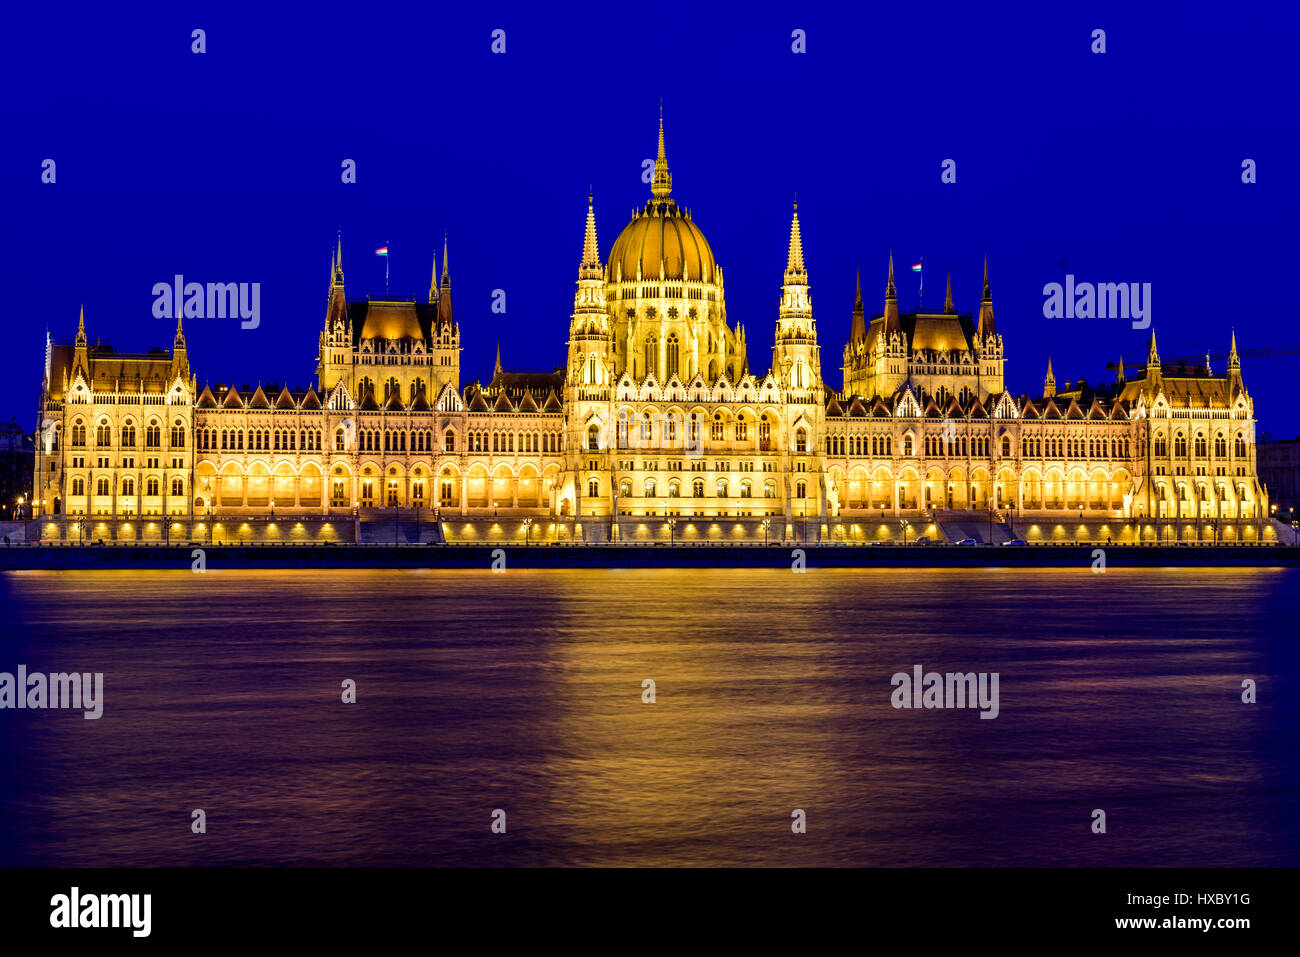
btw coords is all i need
(969, 541)
(1016, 542)
(923, 540)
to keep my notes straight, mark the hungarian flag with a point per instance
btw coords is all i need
(381, 251)
(916, 267)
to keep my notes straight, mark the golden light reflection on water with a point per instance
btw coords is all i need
(523, 691)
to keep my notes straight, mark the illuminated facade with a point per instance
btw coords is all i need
(656, 427)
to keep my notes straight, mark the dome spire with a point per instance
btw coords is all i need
(662, 186)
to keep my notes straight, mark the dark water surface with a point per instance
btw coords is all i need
(523, 691)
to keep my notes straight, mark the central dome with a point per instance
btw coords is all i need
(662, 240)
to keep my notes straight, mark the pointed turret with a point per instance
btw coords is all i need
(590, 267)
(858, 331)
(496, 369)
(891, 301)
(1153, 357)
(80, 354)
(1119, 371)
(1235, 384)
(1049, 382)
(180, 356)
(433, 280)
(795, 271)
(948, 307)
(444, 289)
(987, 327)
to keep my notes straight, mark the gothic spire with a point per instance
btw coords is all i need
(858, 332)
(444, 290)
(590, 267)
(948, 307)
(795, 272)
(433, 279)
(987, 327)
(1049, 382)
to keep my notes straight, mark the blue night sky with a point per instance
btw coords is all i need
(1122, 167)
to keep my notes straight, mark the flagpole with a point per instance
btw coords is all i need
(388, 255)
(920, 305)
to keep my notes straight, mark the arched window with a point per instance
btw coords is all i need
(78, 486)
(715, 431)
(1006, 446)
(178, 486)
(449, 441)
(593, 488)
(1220, 446)
(178, 435)
(591, 369)
(746, 488)
(769, 489)
(128, 486)
(801, 490)
(624, 488)
(801, 440)
(101, 486)
(649, 488)
(1239, 446)
(697, 488)
(340, 440)
(128, 436)
(652, 356)
(78, 435)
(593, 438)
(674, 488)
(1180, 446)
(1201, 450)
(673, 352)
(1161, 444)
(764, 434)
(153, 436)
(151, 486)
(722, 488)
(907, 445)
(103, 435)
(645, 427)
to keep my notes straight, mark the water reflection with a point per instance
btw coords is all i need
(523, 692)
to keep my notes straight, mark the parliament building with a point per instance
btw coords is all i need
(658, 427)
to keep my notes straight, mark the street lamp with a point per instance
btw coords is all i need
(672, 524)
(528, 525)
(767, 523)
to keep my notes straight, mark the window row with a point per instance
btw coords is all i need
(103, 486)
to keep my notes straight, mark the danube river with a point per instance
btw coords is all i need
(524, 693)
